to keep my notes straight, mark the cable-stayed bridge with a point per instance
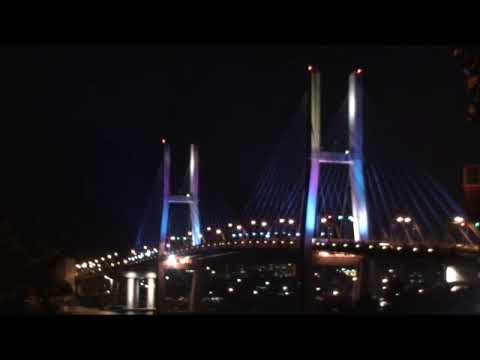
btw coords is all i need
(319, 204)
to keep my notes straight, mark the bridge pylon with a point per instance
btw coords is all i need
(191, 198)
(353, 157)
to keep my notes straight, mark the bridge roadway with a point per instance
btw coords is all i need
(280, 251)
(367, 258)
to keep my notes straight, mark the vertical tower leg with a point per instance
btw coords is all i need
(194, 210)
(357, 180)
(165, 198)
(161, 288)
(311, 212)
(359, 201)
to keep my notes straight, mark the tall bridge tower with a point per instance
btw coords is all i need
(191, 198)
(353, 157)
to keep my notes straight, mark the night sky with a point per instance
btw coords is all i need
(82, 125)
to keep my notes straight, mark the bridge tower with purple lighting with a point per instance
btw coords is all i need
(353, 157)
(191, 198)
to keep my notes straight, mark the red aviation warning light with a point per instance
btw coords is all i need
(164, 141)
(359, 71)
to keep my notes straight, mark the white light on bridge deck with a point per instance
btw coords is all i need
(335, 292)
(430, 250)
(172, 260)
(209, 228)
(189, 233)
(323, 220)
(354, 278)
(264, 223)
(239, 227)
(384, 280)
(415, 249)
(420, 291)
(78, 266)
(267, 283)
(458, 219)
(230, 225)
(291, 221)
(218, 231)
(407, 219)
(109, 256)
(172, 238)
(399, 219)
(255, 292)
(281, 221)
(230, 289)
(239, 280)
(347, 152)
(212, 272)
(285, 288)
(253, 222)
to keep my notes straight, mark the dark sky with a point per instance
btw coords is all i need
(82, 125)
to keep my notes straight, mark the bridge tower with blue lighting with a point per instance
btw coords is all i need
(191, 198)
(353, 157)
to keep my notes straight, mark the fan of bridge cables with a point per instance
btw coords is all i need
(279, 191)
(393, 194)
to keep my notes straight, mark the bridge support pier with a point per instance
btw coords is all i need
(195, 290)
(151, 290)
(132, 286)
